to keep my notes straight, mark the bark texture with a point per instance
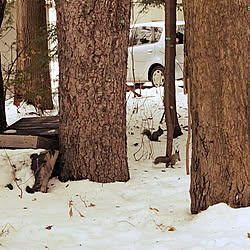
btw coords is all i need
(3, 123)
(93, 47)
(173, 127)
(33, 76)
(217, 59)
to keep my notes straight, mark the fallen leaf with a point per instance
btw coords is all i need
(91, 205)
(154, 209)
(81, 214)
(248, 235)
(33, 52)
(34, 199)
(70, 203)
(161, 226)
(71, 212)
(171, 229)
(49, 227)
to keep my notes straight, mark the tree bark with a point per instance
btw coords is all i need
(93, 47)
(33, 78)
(217, 68)
(3, 123)
(173, 127)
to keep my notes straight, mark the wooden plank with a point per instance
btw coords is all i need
(35, 126)
(27, 141)
(40, 122)
(34, 132)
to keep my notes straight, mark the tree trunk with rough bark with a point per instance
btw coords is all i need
(93, 47)
(33, 75)
(217, 54)
(3, 123)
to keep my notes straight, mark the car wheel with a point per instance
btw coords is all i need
(157, 76)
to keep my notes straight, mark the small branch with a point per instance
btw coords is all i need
(83, 201)
(189, 128)
(130, 88)
(4, 229)
(127, 222)
(14, 175)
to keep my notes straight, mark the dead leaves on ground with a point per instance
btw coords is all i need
(163, 227)
(72, 206)
(49, 227)
(154, 209)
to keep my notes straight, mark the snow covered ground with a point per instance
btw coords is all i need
(150, 211)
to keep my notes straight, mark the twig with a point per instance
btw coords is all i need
(83, 201)
(4, 228)
(131, 88)
(14, 175)
(127, 222)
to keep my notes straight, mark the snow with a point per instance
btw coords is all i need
(150, 211)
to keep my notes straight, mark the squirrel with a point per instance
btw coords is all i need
(153, 136)
(169, 160)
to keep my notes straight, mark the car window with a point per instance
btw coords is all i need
(144, 35)
(157, 34)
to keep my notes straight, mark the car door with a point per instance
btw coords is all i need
(141, 53)
(179, 59)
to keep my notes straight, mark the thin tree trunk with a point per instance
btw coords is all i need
(33, 80)
(3, 123)
(93, 47)
(169, 90)
(217, 68)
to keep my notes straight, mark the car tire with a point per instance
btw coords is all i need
(157, 76)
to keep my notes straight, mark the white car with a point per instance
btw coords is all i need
(146, 53)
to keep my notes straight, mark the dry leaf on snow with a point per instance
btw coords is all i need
(70, 203)
(154, 209)
(172, 229)
(81, 214)
(71, 212)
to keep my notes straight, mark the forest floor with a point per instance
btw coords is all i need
(150, 211)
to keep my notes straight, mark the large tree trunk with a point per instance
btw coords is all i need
(2, 93)
(217, 69)
(33, 81)
(93, 47)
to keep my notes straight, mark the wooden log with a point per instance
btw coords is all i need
(42, 166)
(27, 141)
